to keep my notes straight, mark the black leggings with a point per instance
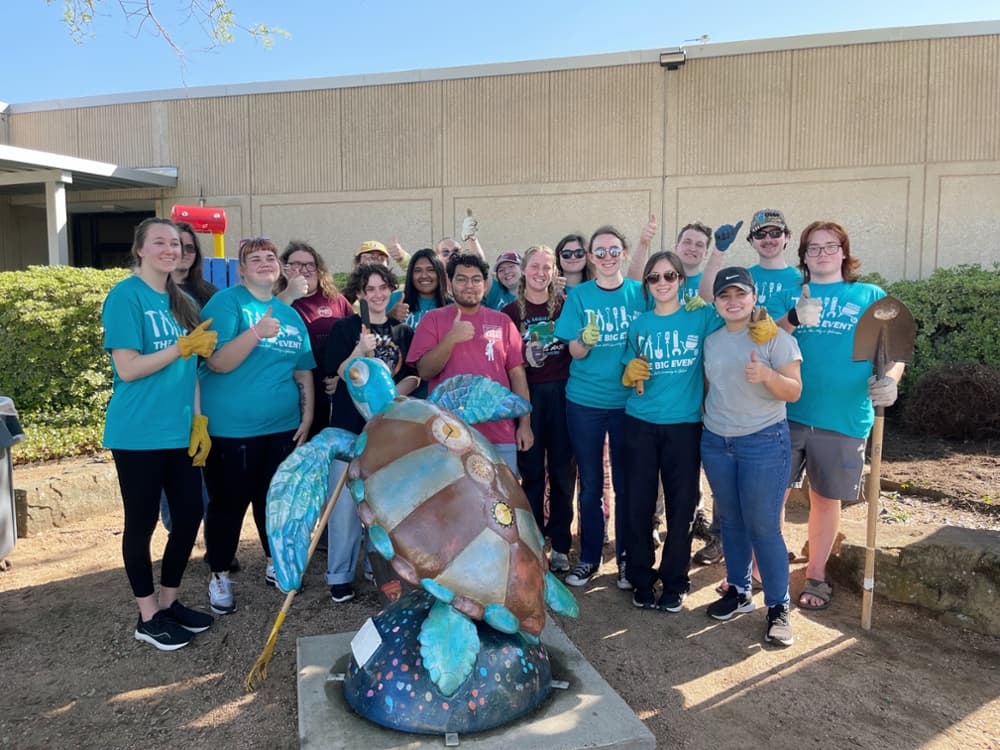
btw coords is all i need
(237, 474)
(142, 476)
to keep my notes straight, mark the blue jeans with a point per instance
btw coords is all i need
(587, 428)
(748, 477)
(344, 531)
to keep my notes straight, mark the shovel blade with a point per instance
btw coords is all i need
(887, 322)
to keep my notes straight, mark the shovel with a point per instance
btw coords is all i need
(885, 333)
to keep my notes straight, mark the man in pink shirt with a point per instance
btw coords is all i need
(468, 338)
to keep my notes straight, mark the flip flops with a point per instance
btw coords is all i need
(822, 590)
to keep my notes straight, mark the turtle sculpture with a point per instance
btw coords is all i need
(452, 520)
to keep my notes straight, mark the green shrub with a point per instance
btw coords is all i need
(957, 312)
(52, 363)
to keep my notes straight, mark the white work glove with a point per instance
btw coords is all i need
(808, 309)
(470, 227)
(883, 391)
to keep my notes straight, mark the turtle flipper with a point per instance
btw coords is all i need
(477, 399)
(338, 443)
(449, 645)
(558, 598)
(500, 618)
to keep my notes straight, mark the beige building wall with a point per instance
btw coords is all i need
(893, 133)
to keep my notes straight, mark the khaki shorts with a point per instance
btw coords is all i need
(833, 461)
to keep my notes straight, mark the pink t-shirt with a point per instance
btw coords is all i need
(493, 351)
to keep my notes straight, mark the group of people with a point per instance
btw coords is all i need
(637, 364)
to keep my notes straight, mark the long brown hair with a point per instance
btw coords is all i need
(181, 306)
(554, 297)
(587, 274)
(848, 267)
(195, 278)
(655, 258)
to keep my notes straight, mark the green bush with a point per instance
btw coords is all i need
(957, 312)
(52, 363)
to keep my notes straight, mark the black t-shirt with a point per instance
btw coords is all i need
(392, 343)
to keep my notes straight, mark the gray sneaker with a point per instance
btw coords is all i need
(711, 553)
(559, 562)
(220, 594)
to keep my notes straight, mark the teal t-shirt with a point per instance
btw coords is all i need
(424, 305)
(674, 347)
(690, 288)
(498, 296)
(153, 412)
(596, 380)
(834, 386)
(259, 397)
(773, 284)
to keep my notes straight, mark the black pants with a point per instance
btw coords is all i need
(551, 448)
(671, 453)
(237, 474)
(142, 476)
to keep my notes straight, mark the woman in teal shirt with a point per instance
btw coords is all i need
(257, 392)
(153, 427)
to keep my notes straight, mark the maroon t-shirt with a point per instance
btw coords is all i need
(320, 313)
(539, 326)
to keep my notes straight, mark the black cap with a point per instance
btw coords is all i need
(733, 276)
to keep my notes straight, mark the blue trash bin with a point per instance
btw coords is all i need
(10, 434)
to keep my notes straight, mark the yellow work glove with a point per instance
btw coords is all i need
(200, 341)
(762, 326)
(200, 443)
(636, 370)
(694, 303)
(590, 334)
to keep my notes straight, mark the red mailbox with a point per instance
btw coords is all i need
(205, 220)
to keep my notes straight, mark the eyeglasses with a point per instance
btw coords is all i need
(471, 280)
(577, 253)
(189, 249)
(448, 252)
(814, 250)
(669, 276)
(601, 253)
(772, 233)
(307, 267)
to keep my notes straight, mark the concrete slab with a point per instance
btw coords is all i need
(589, 714)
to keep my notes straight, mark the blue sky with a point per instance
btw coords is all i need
(40, 62)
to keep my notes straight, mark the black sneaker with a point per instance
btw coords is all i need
(702, 526)
(711, 553)
(581, 574)
(341, 592)
(191, 620)
(732, 603)
(643, 599)
(671, 602)
(779, 630)
(162, 632)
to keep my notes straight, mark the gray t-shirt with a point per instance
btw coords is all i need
(735, 407)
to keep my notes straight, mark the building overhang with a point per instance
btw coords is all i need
(25, 170)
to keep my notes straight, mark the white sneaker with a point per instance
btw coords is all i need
(623, 583)
(220, 594)
(269, 577)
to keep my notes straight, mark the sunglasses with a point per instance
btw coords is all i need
(567, 254)
(772, 233)
(189, 249)
(600, 253)
(654, 278)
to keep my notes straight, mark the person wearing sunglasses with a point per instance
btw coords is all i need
(831, 422)
(745, 451)
(662, 426)
(571, 261)
(257, 392)
(595, 323)
(768, 236)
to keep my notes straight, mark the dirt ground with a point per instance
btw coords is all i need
(74, 677)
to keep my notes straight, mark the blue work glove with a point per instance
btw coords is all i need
(725, 235)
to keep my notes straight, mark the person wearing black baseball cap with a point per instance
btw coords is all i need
(745, 449)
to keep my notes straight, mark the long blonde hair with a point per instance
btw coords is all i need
(554, 298)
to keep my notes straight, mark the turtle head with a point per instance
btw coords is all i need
(370, 385)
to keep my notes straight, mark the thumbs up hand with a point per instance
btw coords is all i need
(756, 372)
(762, 327)
(807, 309)
(590, 334)
(267, 327)
(200, 341)
(725, 235)
(648, 231)
(367, 342)
(461, 330)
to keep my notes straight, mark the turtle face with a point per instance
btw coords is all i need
(370, 385)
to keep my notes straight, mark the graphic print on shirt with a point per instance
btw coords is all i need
(493, 334)
(289, 336)
(667, 350)
(612, 322)
(838, 315)
(162, 327)
(768, 289)
(387, 350)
